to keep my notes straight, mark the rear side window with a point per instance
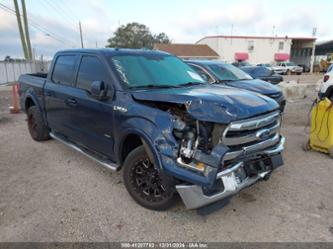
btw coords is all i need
(91, 69)
(64, 69)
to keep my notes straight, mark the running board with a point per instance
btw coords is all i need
(106, 163)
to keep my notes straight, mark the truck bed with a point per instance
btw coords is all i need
(33, 83)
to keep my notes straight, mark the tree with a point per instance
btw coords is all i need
(161, 38)
(135, 35)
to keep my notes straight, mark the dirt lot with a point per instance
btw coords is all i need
(49, 192)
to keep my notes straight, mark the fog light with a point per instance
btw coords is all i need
(200, 166)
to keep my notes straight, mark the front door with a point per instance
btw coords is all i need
(93, 118)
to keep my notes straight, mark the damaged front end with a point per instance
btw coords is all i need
(213, 160)
(224, 159)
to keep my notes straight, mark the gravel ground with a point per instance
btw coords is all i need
(49, 192)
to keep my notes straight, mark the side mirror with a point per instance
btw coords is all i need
(98, 89)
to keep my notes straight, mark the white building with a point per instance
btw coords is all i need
(261, 49)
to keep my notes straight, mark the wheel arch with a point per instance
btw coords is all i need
(32, 100)
(133, 139)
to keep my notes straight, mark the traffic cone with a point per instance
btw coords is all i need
(15, 108)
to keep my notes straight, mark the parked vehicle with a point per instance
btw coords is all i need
(150, 114)
(306, 69)
(223, 74)
(241, 64)
(263, 73)
(275, 68)
(326, 87)
(291, 68)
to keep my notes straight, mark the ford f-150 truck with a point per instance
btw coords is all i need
(152, 115)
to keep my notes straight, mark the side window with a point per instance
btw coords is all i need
(91, 69)
(202, 73)
(64, 69)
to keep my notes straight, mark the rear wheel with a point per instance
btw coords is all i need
(144, 182)
(36, 125)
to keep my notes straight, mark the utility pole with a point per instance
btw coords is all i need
(314, 32)
(26, 29)
(81, 34)
(24, 45)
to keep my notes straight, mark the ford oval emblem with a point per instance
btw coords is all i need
(263, 134)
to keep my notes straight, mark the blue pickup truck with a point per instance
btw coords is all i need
(151, 115)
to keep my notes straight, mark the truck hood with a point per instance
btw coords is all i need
(219, 104)
(255, 85)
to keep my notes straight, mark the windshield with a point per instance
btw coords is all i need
(290, 64)
(154, 70)
(227, 72)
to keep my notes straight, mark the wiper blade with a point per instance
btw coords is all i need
(191, 84)
(223, 81)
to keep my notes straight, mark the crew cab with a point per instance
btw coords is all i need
(223, 74)
(151, 115)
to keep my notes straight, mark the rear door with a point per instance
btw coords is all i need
(92, 118)
(57, 94)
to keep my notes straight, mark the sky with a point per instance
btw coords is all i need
(53, 24)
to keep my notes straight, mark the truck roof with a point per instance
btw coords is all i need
(114, 51)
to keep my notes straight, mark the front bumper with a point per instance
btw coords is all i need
(194, 196)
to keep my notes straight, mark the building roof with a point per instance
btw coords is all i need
(187, 50)
(258, 37)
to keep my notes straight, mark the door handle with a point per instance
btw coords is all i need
(71, 101)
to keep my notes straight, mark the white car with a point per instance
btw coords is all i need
(274, 68)
(326, 87)
(290, 67)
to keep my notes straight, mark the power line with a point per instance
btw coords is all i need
(70, 10)
(61, 13)
(38, 27)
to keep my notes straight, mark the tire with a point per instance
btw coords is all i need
(36, 125)
(144, 182)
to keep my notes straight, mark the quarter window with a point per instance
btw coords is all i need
(64, 69)
(91, 69)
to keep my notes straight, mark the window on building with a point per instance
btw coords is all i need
(91, 69)
(250, 46)
(64, 69)
(281, 45)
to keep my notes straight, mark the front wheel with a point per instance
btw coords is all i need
(144, 182)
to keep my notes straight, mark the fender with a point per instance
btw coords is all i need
(30, 93)
(146, 140)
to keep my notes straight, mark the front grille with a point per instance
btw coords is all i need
(247, 134)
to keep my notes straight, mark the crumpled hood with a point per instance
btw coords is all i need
(212, 103)
(255, 85)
